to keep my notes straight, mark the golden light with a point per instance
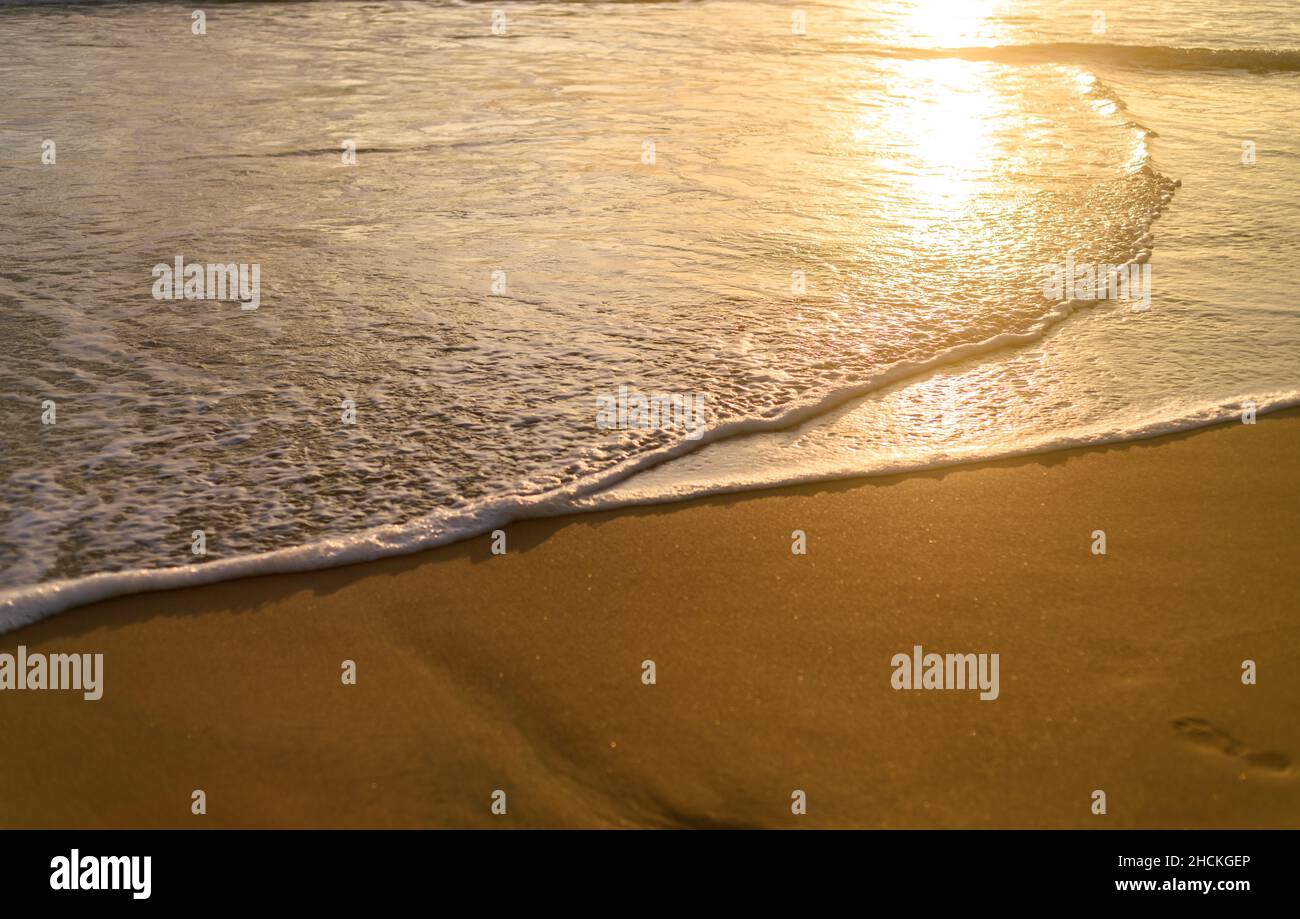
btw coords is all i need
(942, 120)
(948, 23)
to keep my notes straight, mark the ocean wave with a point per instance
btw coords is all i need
(27, 604)
(1190, 418)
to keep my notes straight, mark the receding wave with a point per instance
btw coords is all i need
(24, 605)
(1153, 57)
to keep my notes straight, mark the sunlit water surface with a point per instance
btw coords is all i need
(844, 228)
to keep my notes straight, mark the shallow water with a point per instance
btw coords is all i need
(845, 228)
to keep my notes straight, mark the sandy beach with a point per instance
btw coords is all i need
(523, 672)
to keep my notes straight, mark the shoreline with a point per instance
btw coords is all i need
(26, 605)
(523, 672)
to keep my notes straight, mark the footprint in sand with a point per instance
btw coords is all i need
(1205, 735)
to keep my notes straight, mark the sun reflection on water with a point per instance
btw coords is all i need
(950, 23)
(944, 118)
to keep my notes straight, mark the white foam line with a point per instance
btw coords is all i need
(24, 605)
(1208, 416)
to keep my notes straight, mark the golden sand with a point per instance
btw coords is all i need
(523, 672)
